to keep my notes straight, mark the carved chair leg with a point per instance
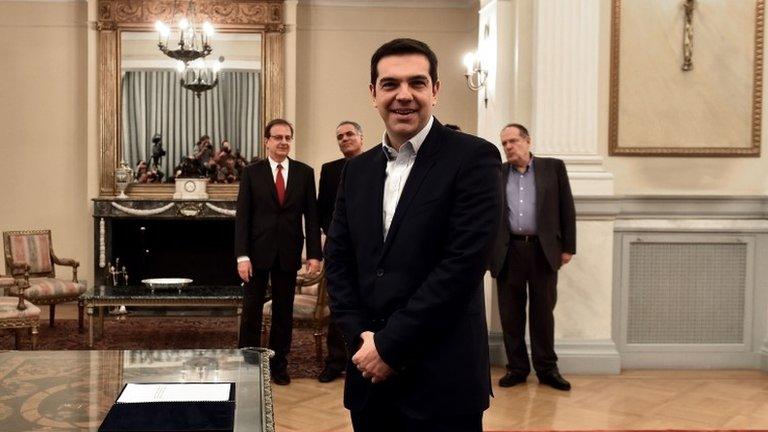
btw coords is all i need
(80, 310)
(318, 346)
(265, 332)
(52, 314)
(33, 336)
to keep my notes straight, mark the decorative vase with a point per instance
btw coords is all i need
(123, 177)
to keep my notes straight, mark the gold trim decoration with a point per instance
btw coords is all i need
(222, 12)
(228, 16)
(614, 149)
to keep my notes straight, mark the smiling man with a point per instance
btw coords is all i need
(275, 193)
(405, 256)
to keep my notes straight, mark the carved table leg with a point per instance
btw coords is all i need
(89, 311)
(102, 311)
(239, 317)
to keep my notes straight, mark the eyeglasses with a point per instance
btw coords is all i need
(287, 138)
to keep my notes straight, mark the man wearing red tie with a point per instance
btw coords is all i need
(274, 195)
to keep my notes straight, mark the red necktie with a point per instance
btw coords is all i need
(280, 185)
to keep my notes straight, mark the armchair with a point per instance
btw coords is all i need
(310, 309)
(16, 313)
(29, 258)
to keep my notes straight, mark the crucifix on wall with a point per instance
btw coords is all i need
(688, 6)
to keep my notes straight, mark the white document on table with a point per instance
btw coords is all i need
(174, 392)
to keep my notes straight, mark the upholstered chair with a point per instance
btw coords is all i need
(16, 313)
(310, 309)
(29, 258)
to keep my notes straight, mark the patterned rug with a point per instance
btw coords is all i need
(164, 333)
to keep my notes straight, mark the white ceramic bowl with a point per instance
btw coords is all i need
(165, 283)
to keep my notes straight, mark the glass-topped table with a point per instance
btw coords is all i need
(73, 390)
(206, 297)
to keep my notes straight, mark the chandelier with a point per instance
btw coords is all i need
(198, 76)
(193, 41)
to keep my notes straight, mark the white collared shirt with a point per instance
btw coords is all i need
(399, 164)
(273, 166)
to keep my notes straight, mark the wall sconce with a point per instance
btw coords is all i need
(475, 75)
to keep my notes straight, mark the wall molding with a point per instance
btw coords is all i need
(576, 356)
(672, 207)
(421, 4)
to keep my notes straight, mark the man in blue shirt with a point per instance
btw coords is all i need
(537, 236)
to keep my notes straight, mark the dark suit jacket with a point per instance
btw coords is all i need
(264, 231)
(330, 177)
(555, 214)
(420, 289)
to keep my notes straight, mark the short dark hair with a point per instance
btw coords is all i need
(403, 46)
(275, 122)
(354, 125)
(523, 131)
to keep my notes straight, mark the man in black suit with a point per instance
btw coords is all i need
(536, 237)
(405, 256)
(349, 135)
(274, 195)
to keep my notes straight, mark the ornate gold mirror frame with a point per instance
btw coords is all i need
(746, 149)
(242, 16)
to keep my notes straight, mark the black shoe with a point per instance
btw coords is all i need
(555, 380)
(510, 379)
(281, 377)
(328, 374)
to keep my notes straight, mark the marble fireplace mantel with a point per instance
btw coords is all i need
(182, 209)
(165, 238)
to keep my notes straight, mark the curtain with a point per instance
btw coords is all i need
(154, 102)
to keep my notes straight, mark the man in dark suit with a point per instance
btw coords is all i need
(274, 195)
(349, 135)
(405, 255)
(536, 237)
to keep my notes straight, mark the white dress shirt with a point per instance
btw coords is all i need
(399, 164)
(273, 165)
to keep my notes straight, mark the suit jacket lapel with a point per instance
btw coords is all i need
(270, 180)
(505, 167)
(540, 176)
(293, 181)
(379, 174)
(421, 166)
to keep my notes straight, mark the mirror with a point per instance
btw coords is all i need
(163, 123)
(140, 94)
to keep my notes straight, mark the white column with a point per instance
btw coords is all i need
(290, 10)
(508, 84)
(566, 44)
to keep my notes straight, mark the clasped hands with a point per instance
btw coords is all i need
(368, 361)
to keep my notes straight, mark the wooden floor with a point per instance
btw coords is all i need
(633, 400)
(690, 399)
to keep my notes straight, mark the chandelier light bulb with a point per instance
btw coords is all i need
(208, 29)
(183, 23)
(197, 64)
(180, 67)
(469, 63)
